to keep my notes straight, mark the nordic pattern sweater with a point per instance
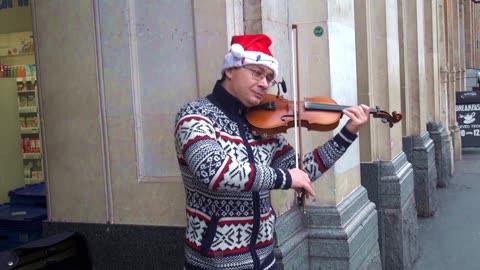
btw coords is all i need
(228, 173)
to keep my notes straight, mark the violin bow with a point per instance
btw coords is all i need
(300, 197)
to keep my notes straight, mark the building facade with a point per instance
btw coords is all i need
(113, 74)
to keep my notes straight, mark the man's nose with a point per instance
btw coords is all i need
(264, 82)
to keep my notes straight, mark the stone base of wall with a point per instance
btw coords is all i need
(420, 153)
(128, 246)
(342, 237)
(390, 185)
(443, 155)
(291, 250)
(345, 236)
(457, 143)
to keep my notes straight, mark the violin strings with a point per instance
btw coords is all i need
(324, 107)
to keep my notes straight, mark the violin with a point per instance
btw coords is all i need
(275, 114)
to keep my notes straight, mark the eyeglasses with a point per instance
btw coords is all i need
(258, 76)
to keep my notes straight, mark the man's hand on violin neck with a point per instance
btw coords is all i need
(301, 181)
(359, 116)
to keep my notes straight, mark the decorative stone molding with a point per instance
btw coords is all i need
(420, 152)
(346, 236)
(443, 155)
(390, 185)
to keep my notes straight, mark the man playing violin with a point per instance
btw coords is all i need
(228, 171)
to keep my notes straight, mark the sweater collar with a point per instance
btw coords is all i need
(225, 101)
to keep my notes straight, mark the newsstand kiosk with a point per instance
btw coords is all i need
(468, 117)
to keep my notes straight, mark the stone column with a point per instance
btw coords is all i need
(461, 47)
(341, 225)
(476, 35)
(473, 34)
(386, 173)
(270, 17)
(417, 143)
(431, 61)
(468, 30)
(212, 37)
(291, 234)
(449, 9)
(475, 8)
(439, 135)
(456, 43)
(439, 9)
(435, 127)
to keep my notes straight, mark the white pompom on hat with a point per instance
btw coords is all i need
(250, 50)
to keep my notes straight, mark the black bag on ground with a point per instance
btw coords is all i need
(63, 251)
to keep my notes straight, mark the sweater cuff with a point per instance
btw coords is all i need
(283, 179)
(345, 137)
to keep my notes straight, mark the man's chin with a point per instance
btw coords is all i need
(255, 102)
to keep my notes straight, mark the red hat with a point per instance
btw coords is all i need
(250, 50)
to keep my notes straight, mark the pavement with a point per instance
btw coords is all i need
(450, 239)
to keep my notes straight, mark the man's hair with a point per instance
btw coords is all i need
(224, 77)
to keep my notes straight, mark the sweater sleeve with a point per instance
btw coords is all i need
(324, 157)
(203, 157)
(318, 161)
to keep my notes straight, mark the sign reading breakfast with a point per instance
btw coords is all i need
(468, 117)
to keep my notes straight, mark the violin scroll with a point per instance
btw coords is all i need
(391, 119)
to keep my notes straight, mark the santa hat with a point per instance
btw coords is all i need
(250, 50)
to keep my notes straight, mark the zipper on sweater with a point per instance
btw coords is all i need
(256, 227)
(256, 198)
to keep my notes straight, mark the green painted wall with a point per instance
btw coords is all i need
(11, 158)
(16, 19)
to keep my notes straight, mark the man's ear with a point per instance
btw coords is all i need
(228, 73)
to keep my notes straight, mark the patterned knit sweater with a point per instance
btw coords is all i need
(228, 174)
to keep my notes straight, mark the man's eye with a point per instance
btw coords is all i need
(258, 74)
